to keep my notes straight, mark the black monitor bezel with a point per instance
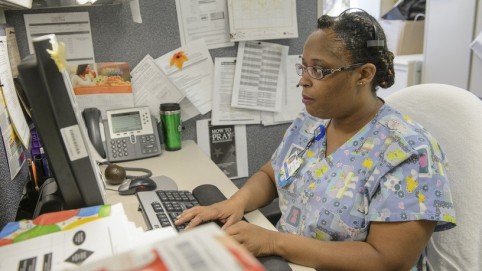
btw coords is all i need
(53, 109)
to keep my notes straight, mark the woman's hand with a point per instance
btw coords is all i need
(259, 241)
(227, 212)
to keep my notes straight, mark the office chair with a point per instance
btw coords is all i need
(454, 116)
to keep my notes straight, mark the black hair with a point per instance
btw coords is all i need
(362, 40)
(81, 69)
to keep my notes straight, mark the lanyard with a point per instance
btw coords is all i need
(319, 133)
(292, 165)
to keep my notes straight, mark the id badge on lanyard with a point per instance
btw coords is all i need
(290, 169)
(292, 165)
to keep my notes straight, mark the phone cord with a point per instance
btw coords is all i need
(145, 170)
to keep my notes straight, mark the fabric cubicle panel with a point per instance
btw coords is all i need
(117, 38)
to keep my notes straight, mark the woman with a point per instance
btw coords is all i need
(360, 186)
(84, 76)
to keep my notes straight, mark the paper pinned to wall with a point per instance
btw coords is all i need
(17, 3)
(262, 20)
(204, 19)
(258, 81)
(71, 28)
(151, 86)
(135, 11)
(291, 103)
(12, 144)
(223, 112)
(191, 69)
(226, 145)
(104, 85)
(10, 96)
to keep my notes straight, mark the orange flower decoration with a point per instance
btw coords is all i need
(178, 59)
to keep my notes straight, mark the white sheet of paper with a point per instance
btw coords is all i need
(223, 112)
(71, 28)
(135, 11)
(103, 96)
(17, 3)
(105, 102)
(151, 87)
(188, 110)
(195, 78)
(11, 99)
(258, 82)
(13, 146)
(206, 20)
(83, 244)
(205, 247)
(267, 118)
(292, 103)
(262, 20)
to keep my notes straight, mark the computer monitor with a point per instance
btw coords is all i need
(77, 181)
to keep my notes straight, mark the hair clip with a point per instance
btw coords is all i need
(370, 43)
(375, 43)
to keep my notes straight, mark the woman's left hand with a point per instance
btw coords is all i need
(259, 241)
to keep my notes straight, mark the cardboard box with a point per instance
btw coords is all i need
(404, 37)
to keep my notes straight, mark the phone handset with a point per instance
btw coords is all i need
(92, 117)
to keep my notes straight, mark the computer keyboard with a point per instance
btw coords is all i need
(160, 208)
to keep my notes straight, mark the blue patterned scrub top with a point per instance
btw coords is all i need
(391, 170)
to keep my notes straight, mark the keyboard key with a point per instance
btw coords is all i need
(170, 205)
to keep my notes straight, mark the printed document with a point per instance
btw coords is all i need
(12, 144)
(258, 81)
(106, 86)
(17, 3)
(71, 28)
(191, 70)
(151, 87)
(10, 96)
(135, 11)
(262, 20)
(70, 239)
(223, 112)
(188, 110)
(203, 248)
(292, 103)
(204, 19)
(226, 145)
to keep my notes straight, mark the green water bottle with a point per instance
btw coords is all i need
(171, 126)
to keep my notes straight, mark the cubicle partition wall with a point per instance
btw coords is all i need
(116, 37)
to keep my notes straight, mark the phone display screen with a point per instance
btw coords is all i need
(126, 122)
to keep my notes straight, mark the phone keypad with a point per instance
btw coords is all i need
(119, 148)
(148, 144)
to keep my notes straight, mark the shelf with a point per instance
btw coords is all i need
(47, 4)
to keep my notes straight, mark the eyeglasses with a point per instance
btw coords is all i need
(319, 73)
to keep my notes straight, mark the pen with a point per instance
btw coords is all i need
(39, 169)
(33, 173)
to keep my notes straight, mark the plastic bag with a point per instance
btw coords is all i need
(407, 10)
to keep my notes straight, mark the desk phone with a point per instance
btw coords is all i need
(130, 133)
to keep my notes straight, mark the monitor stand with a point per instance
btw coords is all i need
(50, 199)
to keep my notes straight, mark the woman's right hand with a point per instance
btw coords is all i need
(258, 191)
(227, 212)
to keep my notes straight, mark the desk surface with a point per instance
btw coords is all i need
(188, 167)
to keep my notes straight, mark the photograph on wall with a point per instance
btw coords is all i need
(105, 85)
